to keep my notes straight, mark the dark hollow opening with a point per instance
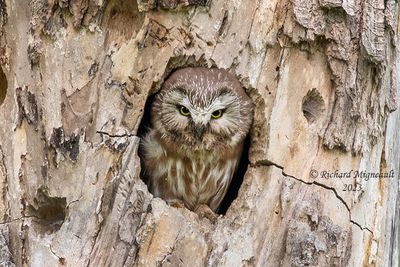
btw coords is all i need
(49, 212)
(237, 180)
(144, 127)
(3, 86)
(313, 105)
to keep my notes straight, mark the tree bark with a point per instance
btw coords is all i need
(74, 80)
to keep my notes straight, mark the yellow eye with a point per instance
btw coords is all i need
(184, 111)
(217, 114)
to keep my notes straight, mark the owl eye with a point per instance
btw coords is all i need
(183, 110)
(217, 114)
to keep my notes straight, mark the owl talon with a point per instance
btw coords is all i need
(204, 211)
(176, 203)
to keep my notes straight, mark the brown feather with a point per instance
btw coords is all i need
(181, 165)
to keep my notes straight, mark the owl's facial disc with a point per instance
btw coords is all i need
(202, 109)
(202, 124)
(199, 119)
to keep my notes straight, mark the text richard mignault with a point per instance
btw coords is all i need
(356, 174)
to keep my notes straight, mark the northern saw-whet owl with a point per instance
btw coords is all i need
(199, 120)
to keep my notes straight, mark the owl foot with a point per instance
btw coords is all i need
(176, 203)
(204, 211)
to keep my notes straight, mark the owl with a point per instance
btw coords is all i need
(199, 120)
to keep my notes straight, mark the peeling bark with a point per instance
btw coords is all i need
(6, 257)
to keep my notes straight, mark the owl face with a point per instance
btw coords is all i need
(202, 109)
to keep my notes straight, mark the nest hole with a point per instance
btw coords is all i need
(313, 106)
(117, 15)
(49, 212)
(3, 86)
(237, 180)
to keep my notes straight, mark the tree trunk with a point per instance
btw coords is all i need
(74, 82)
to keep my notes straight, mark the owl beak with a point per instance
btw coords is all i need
(199, 130)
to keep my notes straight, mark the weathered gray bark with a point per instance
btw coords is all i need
(75, 78)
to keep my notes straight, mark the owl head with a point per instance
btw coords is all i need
(202, 109)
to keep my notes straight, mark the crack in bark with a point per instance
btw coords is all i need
(19, 218)
(171, 250)
(223, 26)
(281, 61)
(3, 169)
(72, 202)
(252, 22)
(61, 260)
(116, 182)
(208, 237)
(97, 232)
(269, 163)
(116, 135)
